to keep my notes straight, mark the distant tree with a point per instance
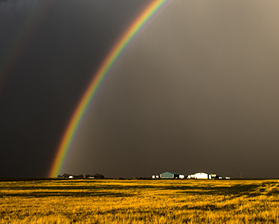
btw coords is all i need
(78, 176)
(98, 176)
(65, 175)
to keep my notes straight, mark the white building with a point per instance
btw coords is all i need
(198, 176)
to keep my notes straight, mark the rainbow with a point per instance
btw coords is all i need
(118, 48)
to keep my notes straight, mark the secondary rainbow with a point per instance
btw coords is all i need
(64, 146)
(17, 45)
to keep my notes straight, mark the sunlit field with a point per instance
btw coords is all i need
(139, 201)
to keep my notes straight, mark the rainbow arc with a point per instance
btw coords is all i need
(111, 58)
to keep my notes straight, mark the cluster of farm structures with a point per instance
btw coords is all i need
(200, 175)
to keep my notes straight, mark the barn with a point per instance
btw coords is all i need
(169, 175)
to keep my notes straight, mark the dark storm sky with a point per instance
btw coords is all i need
(196, 90)
(50, 73)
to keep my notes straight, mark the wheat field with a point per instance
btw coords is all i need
(139, 201)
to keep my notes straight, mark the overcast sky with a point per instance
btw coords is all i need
(195, 91)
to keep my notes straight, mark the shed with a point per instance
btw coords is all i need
(169, 175)
(213, 176)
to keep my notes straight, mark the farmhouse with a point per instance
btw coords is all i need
(169, 175)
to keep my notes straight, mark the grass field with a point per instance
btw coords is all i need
(139, 201)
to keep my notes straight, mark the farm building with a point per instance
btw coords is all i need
(213, 176)
(181, 176)
(198, 176)
(169, 175)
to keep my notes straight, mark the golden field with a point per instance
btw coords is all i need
(139, 201)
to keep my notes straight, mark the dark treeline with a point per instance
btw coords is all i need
(82, 176)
